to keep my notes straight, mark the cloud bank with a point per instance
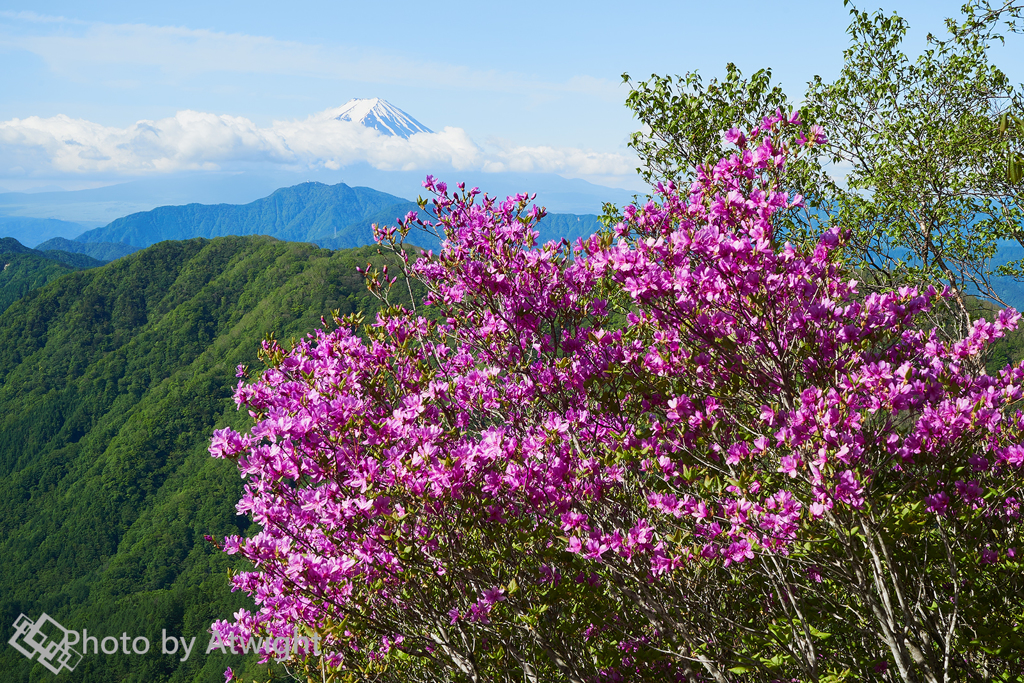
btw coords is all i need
(193, 140)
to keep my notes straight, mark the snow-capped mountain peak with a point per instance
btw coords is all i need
(380, 115)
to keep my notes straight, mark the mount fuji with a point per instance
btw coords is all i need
(380, 115)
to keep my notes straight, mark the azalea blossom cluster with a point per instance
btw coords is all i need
(678, 450)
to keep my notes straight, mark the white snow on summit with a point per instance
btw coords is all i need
(380, 115)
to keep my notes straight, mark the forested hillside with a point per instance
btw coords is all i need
(111, 383)
(23, 269)
(103, 251)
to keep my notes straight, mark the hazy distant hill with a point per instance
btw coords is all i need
(103, 251)
(112, 381)
(32, 231)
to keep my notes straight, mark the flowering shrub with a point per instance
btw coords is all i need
(679, 452)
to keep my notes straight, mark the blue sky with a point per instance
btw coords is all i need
(533, 83)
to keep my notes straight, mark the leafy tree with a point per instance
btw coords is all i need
(686, 119)
(685, 125)
(930, 150)
(927, 192)
(762, 475)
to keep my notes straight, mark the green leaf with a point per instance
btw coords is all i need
(818, 634)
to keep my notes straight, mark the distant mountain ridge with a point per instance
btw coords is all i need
(330, 216)
(309, 212)
(81, 210)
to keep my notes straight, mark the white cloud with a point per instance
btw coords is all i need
(565, 160)
(197, 140)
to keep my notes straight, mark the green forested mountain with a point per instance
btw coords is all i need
(331, 216)
(23, 269)
(50, 252)
(22, 273)
(102, 251)
(111, 382)
(73, 259)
